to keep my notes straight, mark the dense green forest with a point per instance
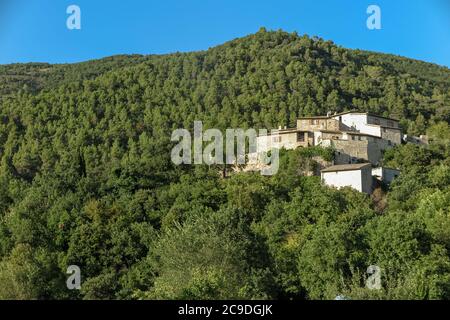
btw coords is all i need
(86, 177)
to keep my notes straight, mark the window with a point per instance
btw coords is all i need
(300, 136)
(276, 139)
(376, 121)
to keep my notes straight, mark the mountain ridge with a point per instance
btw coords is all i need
(17, 71)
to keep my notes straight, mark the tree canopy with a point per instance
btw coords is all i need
(86, 177)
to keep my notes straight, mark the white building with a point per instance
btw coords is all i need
(385, 174)
(422, 139)
(356, 136)
(371, 124)
(358, 176)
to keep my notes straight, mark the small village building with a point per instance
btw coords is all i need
(358, 139)
(358, 176)
(385, 175)
(285, 138)
(375, 125)
(356, 136)
(420, 140)
(317, 123)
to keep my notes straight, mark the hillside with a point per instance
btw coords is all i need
(286, 74)
(86, 177)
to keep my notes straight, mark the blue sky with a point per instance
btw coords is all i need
(35, 30)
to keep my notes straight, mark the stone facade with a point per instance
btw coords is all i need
(349, 151)
(320, 123)
(356, 136)
(288, 139)
(382, 121)
(392, 135)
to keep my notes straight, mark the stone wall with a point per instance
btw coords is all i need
(318, 124)
(355, 149)
(287, 140)
(348, 149)
(380, 121)
(394, 135)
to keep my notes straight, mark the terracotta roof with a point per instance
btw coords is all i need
(346, 167)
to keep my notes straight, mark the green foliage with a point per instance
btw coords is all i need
(213, 255)
(86, 177)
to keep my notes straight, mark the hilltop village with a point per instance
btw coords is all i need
(359, 140)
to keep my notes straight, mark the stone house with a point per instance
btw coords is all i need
(358, 176)
(375, 125)
(387, 175)
(420, 140)
(355, 136)
(284, 138)
(358, 138)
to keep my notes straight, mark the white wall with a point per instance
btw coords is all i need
(359, 122)
(339, 179)
(317, 137)
(352, 119)
(385, 174)
(378, 171)
(361, 179)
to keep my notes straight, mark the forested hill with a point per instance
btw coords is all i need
(86, 177)
(265, 79)
(35, 76)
